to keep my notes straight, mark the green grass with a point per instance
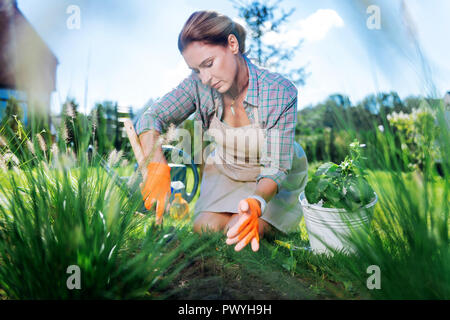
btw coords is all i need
(274, 272)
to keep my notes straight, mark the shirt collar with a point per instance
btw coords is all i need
(252, 96)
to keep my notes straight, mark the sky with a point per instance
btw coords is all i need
(126, 51)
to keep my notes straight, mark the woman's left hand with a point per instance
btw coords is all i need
(246, 228)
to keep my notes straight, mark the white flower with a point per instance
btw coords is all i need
(381, 127)
(132, 180)
(11, 157)
(124, 163)
(31, 147)
(114, 157)
(65, 134)
(54, 150)
(171, 133)
(70, 112)
(41, 141)
(2, 141)
(3, 163)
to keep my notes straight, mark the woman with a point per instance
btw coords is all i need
(244, 192)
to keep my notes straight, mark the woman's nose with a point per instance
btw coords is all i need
(205, 77)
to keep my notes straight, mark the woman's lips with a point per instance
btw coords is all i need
(216, 85)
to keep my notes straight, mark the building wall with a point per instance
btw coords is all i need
(27, 65)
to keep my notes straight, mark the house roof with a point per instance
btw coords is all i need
(23, 53)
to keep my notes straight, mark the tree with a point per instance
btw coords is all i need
(260, 19)
(100, 139)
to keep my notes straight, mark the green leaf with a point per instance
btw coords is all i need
(366, 191)
(323, 169)
(353, 192)
(334, 171)
(322, 185)
(311, 190)
(333, 194)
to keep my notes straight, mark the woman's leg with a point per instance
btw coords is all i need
(213, 221)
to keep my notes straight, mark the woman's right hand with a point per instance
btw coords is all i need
(156, 176)
(156, 187)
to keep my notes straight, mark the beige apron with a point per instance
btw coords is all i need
(231, 170)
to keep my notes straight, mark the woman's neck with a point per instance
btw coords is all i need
(241, 80)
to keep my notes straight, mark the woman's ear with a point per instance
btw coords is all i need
(233, 44)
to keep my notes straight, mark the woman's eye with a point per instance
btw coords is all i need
(207, 66)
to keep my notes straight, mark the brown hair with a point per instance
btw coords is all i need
(210, 27)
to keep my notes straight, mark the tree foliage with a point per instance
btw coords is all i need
(260, 17)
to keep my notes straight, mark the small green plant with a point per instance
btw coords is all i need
(341, 186)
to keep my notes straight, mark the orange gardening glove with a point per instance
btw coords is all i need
(156, 187)
(246, 229)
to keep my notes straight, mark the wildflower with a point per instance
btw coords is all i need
(3, 163)
(381, 127)
(54, 150)
(54, 155)
(114, 157)
(44, 164)
(70, 112)
(124, 163)
(31, 147)
(171, 133)
(161, 140)
(2, 142)
(68, 160)
(11, 157)
(132, 180)
(94, 119)
(42, 143)
(65, 134)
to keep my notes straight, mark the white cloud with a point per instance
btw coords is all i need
(313, 28)
(173, 76)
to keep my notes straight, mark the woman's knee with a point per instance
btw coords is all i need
(211, 221)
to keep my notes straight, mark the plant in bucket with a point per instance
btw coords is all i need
(338, 202)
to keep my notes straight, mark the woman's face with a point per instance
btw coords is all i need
(215, 65)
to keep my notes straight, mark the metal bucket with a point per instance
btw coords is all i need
(329, 228)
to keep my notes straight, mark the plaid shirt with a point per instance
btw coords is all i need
(273, 95)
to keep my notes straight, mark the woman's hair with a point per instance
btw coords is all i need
(210, 27)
